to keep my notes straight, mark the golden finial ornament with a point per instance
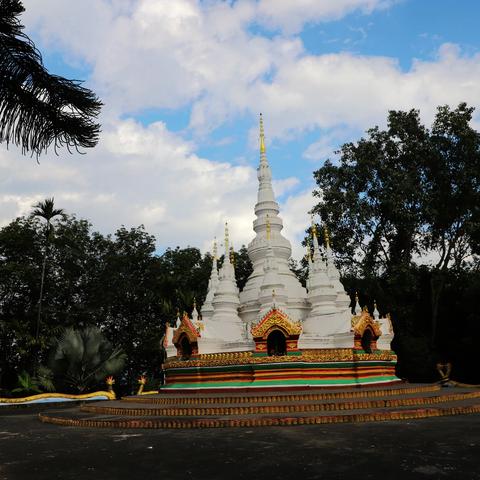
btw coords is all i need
(269, 228)
(326, 235)
(215, 253)
(226, 237)
(262, 137)
(314, 227)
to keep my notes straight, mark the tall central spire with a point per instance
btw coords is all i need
(264, 174)
(269, 252)
(266, 204)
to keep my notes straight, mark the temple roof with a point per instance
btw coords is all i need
(275, 318)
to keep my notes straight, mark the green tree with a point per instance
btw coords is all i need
(21, 245)
(243, 267)
(184, 275)
(400, 197)
(38, 109)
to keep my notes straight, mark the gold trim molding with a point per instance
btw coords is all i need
(247, 358)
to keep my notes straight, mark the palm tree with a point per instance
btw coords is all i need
(36, 107)
(84, 357)
(47, 211)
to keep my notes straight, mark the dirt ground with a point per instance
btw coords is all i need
(439, 448)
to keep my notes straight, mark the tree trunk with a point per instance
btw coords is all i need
(40, 298)
(437, 283)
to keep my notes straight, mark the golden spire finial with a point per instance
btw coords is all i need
(326, 236)
(215, 248)
(262, 137)
(226, 237)
(314, 227)
(269, 228)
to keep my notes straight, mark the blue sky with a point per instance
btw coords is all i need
(183, 82)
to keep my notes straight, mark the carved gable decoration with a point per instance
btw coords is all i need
(361, 322)
(273, 322)
(186, 327)
(276, 319)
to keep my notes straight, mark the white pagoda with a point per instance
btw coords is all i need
(230, 320)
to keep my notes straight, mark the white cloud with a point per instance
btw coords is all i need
(136, 175)
(355, 92)
(284, 185)
(291, 15)
(296, 219)
(327, 144)
(151, 54)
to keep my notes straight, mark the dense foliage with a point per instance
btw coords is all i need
(403, 208)
(82, 358)
(117, 283)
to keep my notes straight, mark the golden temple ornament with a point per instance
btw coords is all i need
(326, 236)
(226, 237)
(314, 227)
(262, 137)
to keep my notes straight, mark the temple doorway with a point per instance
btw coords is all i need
(367, 339)
(186, 348)
(276, 344)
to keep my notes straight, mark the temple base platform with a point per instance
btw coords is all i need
(312, 406)
(342, 367)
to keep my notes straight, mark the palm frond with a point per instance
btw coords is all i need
(83, 357)
(46, 209)
(38, 109)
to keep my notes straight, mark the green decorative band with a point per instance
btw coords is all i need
(282, 374)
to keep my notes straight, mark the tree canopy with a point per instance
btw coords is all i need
(405, 192)
(118, 283)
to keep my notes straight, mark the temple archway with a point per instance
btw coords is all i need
(185, 348)
(276, 334)
(276, 343)
(367, 331)
(185, 339)
(367, 341)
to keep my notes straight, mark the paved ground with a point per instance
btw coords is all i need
(441, 448)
